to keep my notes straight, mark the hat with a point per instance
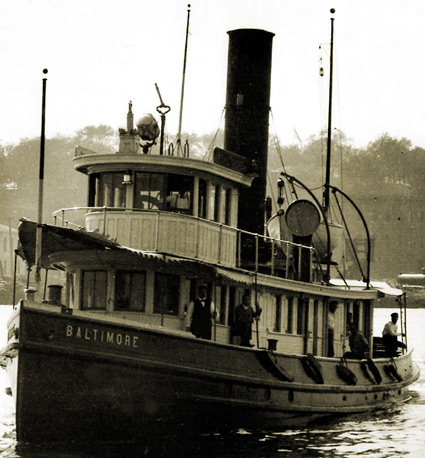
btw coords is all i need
(394, 314)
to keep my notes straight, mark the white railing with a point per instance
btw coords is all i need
(192, 237)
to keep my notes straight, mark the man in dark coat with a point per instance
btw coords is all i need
(244, 317)
(203, 310)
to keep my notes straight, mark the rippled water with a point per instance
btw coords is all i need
(399, 432)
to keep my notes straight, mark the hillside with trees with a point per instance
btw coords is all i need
(385, 179)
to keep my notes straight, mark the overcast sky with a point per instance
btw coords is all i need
(102, 53)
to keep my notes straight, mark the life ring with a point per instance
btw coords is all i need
(269, 362)
(346, 374)
(312, 368)
(370, 368)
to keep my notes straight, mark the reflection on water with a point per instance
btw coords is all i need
(396, 432)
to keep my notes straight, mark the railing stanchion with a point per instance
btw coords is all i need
(157, 231)
(299, 262)
(239, 244)
(256, 253)
(220, 236)
(287, 261)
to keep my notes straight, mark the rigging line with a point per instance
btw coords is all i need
(271, 189)
(207, 155)
(277, 142)
(349, 237)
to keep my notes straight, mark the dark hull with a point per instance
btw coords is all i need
(79, 379)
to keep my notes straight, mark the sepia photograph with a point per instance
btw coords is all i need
(211, 240)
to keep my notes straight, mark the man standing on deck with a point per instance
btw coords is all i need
(389, 337)
(202, 310)
(244, 317)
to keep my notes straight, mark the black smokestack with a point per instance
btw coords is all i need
(246, 129)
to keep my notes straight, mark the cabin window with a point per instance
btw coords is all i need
(130, 291)
(93, 186)
(231, 310)
(93, 291)
(315, 325)
(179, 193)
(366, 317)
(149, 191)
(166, 294)
(202, 202)
(290, 315)
(356, 314)
(71, 289)
(223, 304)
(228, 203)
(111, 190)
(300, 317)
(277, 327)
(216, 203)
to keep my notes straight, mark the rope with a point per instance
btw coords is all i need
(349, 237)
(207, 155)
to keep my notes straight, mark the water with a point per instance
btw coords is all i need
(399, 432)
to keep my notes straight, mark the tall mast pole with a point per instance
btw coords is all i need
(329, 142)
(179, 141)
(39, 232)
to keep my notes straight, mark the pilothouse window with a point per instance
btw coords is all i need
(111, 191)
(179, 193)
(150, 191)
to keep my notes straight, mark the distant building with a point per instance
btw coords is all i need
(8, 244)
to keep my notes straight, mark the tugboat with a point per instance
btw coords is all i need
(111, 353)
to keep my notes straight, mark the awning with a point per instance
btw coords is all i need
(238, 277)
(56, 239)
(382, 287)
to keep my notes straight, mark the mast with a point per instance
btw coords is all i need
(39, 233)
(179, 141)
(329, 140)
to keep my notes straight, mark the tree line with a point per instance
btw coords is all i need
(386, 177)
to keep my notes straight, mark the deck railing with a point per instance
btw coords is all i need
(192, 237)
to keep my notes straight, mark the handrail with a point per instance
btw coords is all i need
(242, 252)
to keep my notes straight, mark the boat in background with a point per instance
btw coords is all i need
(109, 355)
(413, 286)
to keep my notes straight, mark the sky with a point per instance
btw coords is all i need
(100, 54)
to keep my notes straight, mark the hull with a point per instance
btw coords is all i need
(90, 378)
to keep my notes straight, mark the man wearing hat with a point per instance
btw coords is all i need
(202, 310)
(389, 336)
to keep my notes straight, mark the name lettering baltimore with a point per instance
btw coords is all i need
(111, 337)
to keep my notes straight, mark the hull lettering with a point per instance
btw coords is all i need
(109, 337)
